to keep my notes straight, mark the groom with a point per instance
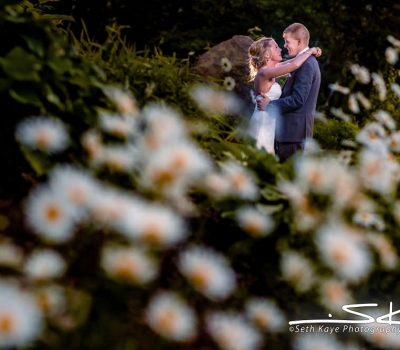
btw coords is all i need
(295, 109)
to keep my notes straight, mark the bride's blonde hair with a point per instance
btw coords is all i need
(256, 52)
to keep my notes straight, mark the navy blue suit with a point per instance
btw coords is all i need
(295, 109)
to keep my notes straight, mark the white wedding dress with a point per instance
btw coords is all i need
(262, 126)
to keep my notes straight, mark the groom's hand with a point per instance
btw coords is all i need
(262, 102)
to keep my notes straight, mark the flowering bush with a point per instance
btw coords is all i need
(132, 234)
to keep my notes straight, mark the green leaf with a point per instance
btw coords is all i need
(25, 96)
(41, 2)
(34, 44)
(21, 65)
(39, 163)
(58, 18)
(271, 193)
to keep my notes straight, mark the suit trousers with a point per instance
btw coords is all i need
(285, 150)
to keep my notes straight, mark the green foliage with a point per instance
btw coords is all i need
(331, 134)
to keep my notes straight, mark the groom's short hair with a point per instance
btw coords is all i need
(299, 31)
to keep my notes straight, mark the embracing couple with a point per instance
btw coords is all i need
(284, 117)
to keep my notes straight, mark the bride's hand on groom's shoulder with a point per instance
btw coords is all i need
(316, 51)
(262, 102)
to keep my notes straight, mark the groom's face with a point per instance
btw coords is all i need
(292, 45)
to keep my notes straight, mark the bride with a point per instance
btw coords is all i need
(265, 65)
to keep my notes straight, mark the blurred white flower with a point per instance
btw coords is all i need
(334, 294)
(119, 158)
(21, 321)
(394, 141)
(170, 317)
(385, 249)
(385, 119)
(391, 55)
(311, 146)
(363, 100)
(242, 183)
(379, 83)
(353, 104)
(369, 220)
(396, 89)
(117, 125)
(43, 133)
(316, 341)
(371, 135)
(75, 185)
(44, 264)
(338, 112)
(164, 125)
(49, 215)
(395, 42)
(254, 222)
(50, 299)
(208, 271)
(216, 185)
(337, 87)
(214, 100)
(343, 251)
(226, 64)
(232, 332)
(361, 73)
(11, 255)
(297, 270)
(92, 143)
(229, 83)
(264, 313)
(123, 99)
(128, 264)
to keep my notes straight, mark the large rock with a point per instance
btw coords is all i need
(235, 50)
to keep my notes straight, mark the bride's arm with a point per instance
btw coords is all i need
(288, 66)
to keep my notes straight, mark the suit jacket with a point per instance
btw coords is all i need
(295, 109)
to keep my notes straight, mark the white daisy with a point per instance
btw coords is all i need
(242, 183)
(353, 104)
(385, 119)
(75, 185)
(394, 141)
(334, 294)
(226, 64)
(396, 89)
(337, 87)
(50, 299)
(265, 314)
(363, 100)
(214, 100)
(297, 270)
(216, 185)
(10, 255)
(128, 264)
(119, 158)
(21, 321)
(395, 42)
(311, 146)
(343, 252)
(93, 145)
(168, 315)
(49, 215)
(229, 83)
(208, 271)
(123, 99)
(231, 331)
(379, 83)
(338, 112)
(44, 264)
(371, 134)
(43, 133)
(361, 73)
(254, 222)
(117, 125)
(391, 55)
(316, 341)
(386, 250)
(369, 220)
(159, 225)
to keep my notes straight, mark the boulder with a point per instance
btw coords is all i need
(235, 50)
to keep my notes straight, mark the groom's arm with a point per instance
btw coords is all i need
(300, 91)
